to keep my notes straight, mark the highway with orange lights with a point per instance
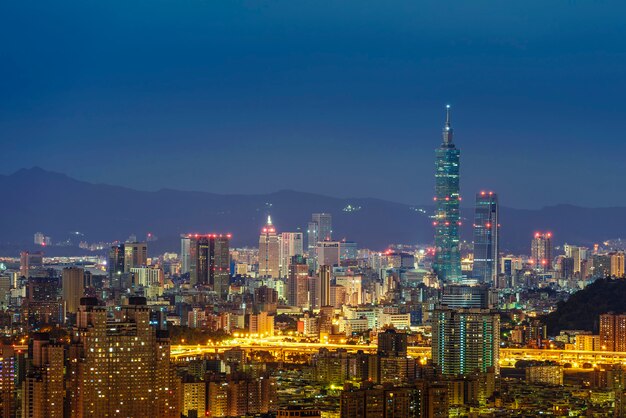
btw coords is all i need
(508, 356)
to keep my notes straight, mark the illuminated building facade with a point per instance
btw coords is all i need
(44, 387)
(73, 284)
(209, 262)
(291, 244)
(120, 367)
(541, 251)
(298, 283)
(486, 238)
(465, 340)
(269, 251)
(447, 263)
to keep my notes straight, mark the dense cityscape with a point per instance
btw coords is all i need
(308, 325)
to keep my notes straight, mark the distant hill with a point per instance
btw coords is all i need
(39, 200)
(583, 308)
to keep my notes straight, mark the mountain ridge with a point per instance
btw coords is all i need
(57, 204)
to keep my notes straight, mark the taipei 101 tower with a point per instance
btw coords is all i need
(447, 264)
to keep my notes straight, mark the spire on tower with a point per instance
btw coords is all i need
(447, 129)
(269, 219)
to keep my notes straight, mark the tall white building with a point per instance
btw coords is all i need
(269, 251)
(291, 244)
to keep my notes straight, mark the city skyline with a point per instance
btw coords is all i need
(288, 83)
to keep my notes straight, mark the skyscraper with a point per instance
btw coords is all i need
(298, 283)
(120, 367)
(541, 251)
(210, 261)
(185, 254)
(447, 263)
(486, 238)
(73, 284)
(465, 340)
(30, 262)
(290, 245)
(324, 223)
(135, 255)
(269, 251)
(324, 277)
(43, 387)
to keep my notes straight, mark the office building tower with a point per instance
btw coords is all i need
(135, 255)
(567, 267)
(266, 299)
(73, 285)
(210, 262)
(269, 251)
(116, 261)
(541, 251)
(312, 238)
(348, 251)
(465, 340)
(30, 262)
(298, 282)
(462, 296)
(291, 244)
(601, 265)
(185, 254)
(486, 238)
(43, 388)
(324, 278)
(120, 367)
(315, 294)
(324, 222)
(328, 253)
(147, 276)
(447, 264)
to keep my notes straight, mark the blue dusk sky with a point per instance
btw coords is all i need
(343, 97)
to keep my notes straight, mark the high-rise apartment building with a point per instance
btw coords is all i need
(541, 251)
(612, 332)
(120, 367)
(447, 264)
(73, 285)
(617, 264)
(465, 340)
(486, 238)
(209, 261)
(44, 388)
(9, 381)
(291, 244)
(269, 251)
